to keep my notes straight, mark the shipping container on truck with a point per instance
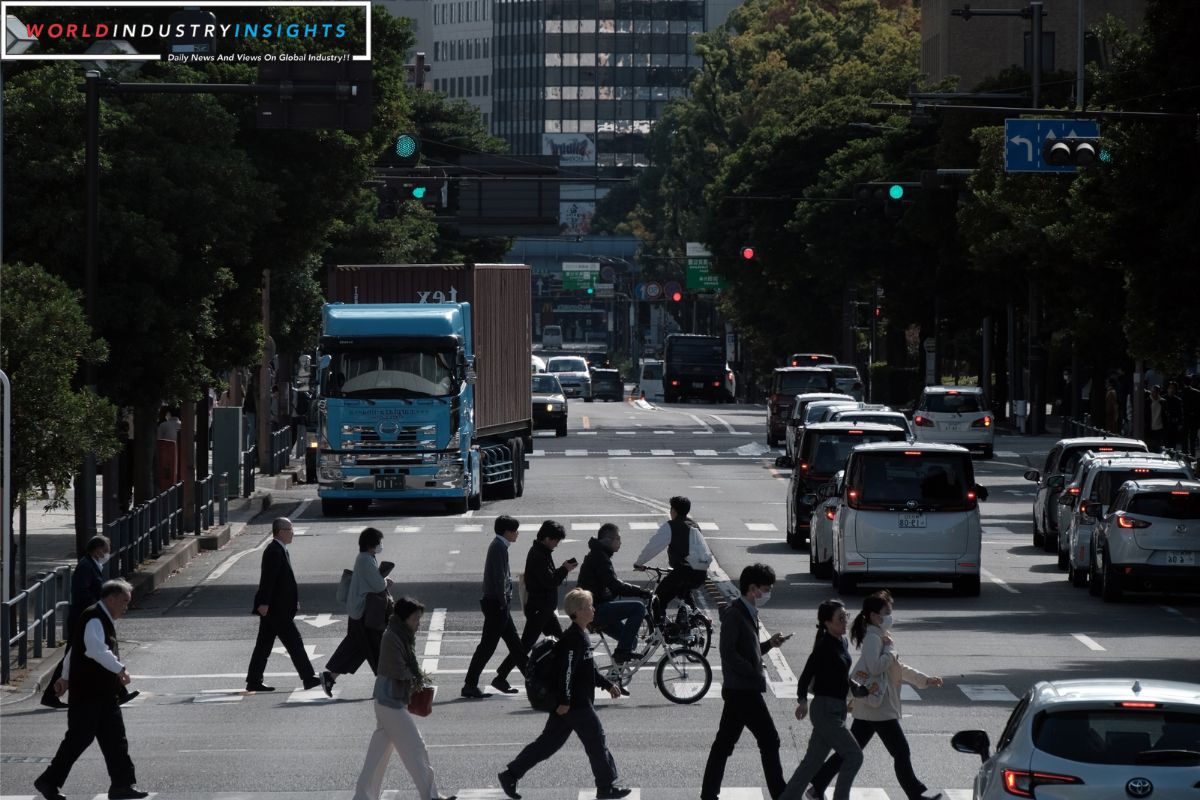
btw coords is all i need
(494, 302)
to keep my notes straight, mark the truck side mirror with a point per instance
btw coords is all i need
(323, 374)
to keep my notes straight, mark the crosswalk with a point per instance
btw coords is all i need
(527, 792)
(655, 452)
(708, 526)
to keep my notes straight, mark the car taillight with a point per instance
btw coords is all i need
(1129, 522)
(852, 498)
(1138, 704)
(830, 512)
(1022, 784)
(971, 496)
(952, 393)
(1141, 470)
(855, 433)
(1105, 449)
(982, 422)
(1083, 507)
(716, 384)
(674, 382)
(924, 422)
(1073, 490)
(804, 466)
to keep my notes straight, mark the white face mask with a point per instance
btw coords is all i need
(763, 598)
(102, 560)
(887, 622)
(378, 549)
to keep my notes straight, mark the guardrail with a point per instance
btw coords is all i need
(50, 592)
(212, 494)
(249, 466)
(1084, 427)
(281, 450)
(144, 532)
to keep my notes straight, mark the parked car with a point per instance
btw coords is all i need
(786, 383)
(1093, 738)
(955, 415)
(651, 381)
(1060, 464)
(552, 336)
(848, 379)
(607, 384)
(810, 359)
(799, 416)
(821, 452)
(1149, 540)
(911, 513)
(549, 404)
(827, 505)
(1098, 486)
(573, 374)
(884, 416)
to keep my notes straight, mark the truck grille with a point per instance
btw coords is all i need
(390, 437)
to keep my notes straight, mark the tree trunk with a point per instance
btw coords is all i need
(145, 431)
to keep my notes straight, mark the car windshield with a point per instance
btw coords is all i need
(546, 384)
(1118, 736)
(1108, 482)
(567, 365)
(391, 373)
(797, 382)
(842, 372)
(832, 449)
(1168, 505)
(931, 479)
(702, 350)
(956, 403)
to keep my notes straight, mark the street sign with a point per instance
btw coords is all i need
(639, 291)
(654, 291)
(1023, 140)
(580, 274)
(604, 289)
(700, 276)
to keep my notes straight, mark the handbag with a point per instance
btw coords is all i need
(377, 607)
(343, 590)
(420, 702)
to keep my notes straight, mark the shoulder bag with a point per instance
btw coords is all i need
(343, 590)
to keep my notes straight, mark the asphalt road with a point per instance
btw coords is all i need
(195, 734)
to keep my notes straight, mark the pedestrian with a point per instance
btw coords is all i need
(1156, 419)
(828, 672)
(599, 577)
(880, 714)
(1172, 415)
(1111, 408)
(497, 621)
(576, 685)
(276, 603)
(170, 425)
(687, 555)
(1190, 398)
(542, 580)
(361, 643)
(94, 674)
(86, 582)
(249, 406)
(300, 419)
(743, 683)
(399, 675)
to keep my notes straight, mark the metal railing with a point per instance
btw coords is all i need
(249, 465)
(212, 495)
(144, 532)
(1084, 427)
(281, 450)
(50, 592)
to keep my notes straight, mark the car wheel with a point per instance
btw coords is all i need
(967, 585)
(1110, 588)
(1064, 560)
(1094, 579)
(772, 441)
(812, 560)
(824, 568)
(1037, 534)
(844, 584)
(1050, 541)
(561, 429)
(989, 451)
(1078, 577)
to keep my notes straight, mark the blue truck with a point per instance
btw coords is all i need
(423, 389)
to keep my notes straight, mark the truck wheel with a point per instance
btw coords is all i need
(518, 468)
(561, 430)
(457, 505)
(475, 501)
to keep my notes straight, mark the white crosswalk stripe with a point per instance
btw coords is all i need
(705, 452)
(637, 525)
(619, 453)
(531, 792)
(662, 452)
(761, 526)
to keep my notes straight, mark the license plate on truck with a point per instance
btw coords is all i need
(1180, 559)
(389, 482)
(910, 520)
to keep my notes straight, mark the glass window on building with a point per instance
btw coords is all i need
(485, 85)
(478, 85)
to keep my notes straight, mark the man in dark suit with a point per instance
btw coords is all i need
(94, 674)
(743, 683)
(276, 603)
(497, 621)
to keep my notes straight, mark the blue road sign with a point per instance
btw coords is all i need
(1023, 140)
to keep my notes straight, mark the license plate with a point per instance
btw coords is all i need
(953, 426)
(697, 384)
(388, 482)
(1178, 559)
(916, 520)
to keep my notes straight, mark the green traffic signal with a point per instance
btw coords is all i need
(418, 192)
(896, 191)
(591, 290)
(407, 145)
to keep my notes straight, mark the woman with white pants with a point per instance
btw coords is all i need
(399, 675)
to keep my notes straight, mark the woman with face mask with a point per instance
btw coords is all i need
(879, 713)
(361, 642)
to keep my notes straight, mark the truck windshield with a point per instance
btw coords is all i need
(392, 373)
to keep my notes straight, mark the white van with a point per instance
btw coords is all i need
(910, 512)
(552, 336)
(650, 382)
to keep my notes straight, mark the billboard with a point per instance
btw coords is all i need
(570, 148)
(575, 218)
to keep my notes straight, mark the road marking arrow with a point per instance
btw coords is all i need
(1021, 140)
(317, 620)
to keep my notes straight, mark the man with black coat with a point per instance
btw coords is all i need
(743, 683)
(675, 536)
(542, 580)
(95, 675)
(497, 621)
(599, 577)
(276, 603)
(577, 682)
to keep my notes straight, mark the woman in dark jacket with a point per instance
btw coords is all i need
(577, 682)
(541, 580)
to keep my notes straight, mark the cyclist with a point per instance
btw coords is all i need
(687, 554)
(598, 576)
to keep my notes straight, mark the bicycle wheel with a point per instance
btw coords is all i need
(683, 676)
(701, 628)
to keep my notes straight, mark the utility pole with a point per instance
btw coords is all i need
(1032, 12)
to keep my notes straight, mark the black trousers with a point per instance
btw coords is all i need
(497, 625)
(89, 720)
(540, 621)
(271, 627)
(679, 583)
(892, 736)
(744, 708)
(360, 644)
(586, 725)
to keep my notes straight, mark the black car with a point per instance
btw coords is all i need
(607, 385)
(549, 404)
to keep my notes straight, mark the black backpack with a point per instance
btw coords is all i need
(542, 674)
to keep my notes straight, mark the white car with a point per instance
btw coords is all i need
(651, 380)
(573, 374)
(884, 416)
(820, 536)
(1093, 739)
(955, 415)
(848, 380)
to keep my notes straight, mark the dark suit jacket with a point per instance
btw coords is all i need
(277, 583)
(741, 651)
(85, 590)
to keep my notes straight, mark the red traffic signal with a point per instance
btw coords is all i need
(878, 311)
(676, 297)
(747, 253)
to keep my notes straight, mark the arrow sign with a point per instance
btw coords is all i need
(311, 649)
(1018, 140)
(317, 620)
(1024, 139)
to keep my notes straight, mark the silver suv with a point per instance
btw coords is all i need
(1150, 539)
(573, 375)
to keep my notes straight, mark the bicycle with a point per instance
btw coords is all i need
(682, 675)
(691, 627)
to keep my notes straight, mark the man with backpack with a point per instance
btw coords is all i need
(577, 679)
(687, 554)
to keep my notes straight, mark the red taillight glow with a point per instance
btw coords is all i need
(716, 384)
(674, 382)
(1022, 784)
(970, 496)
(795, 362)
(1138, 704)
(1105, 449)
(912, 452)
(855, 433)
(1180, 494)
(924, 422)
(1083, 507)
(1141, 470)
(1073, 490)
(830, 513)
(982, 422)
(1129, 522)
(952, 392)
(804, 466)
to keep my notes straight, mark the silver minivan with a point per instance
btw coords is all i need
(910, 512)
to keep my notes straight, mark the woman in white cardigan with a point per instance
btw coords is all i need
(360, 642)
(879, 713)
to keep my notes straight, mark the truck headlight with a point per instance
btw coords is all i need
(331, 473)
(449, 468)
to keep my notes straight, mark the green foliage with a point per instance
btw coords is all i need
(54, 425)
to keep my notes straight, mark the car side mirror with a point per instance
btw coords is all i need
(784, 462)
(1093, 511)
(1033, 475)
(809, 500)
(976, 742)
(981, 492)
(1056, 481)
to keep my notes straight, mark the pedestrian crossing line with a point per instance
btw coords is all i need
(575, 453)
(468, 529)
(536, 453)
(403, 529)
(992, 530)
(590, 794)
(1003, 584)
(662, 452)
(1006, 454)
(643, 526)
(709, 526)
(665, 433)
(619, 453)
(628, 433)
(705, 452)
(761, 526)
(217, 696)
(987, 693)
(313, 696)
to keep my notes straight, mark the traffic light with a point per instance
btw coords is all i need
(676, 297)
(404, 150)
(891, 196)
(878, 312)
(1079, 151)
(747, 253)
(591, 290)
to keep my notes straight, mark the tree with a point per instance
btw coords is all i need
(54, 424)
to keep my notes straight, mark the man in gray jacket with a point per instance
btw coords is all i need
(497, 622)
(743, 684)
